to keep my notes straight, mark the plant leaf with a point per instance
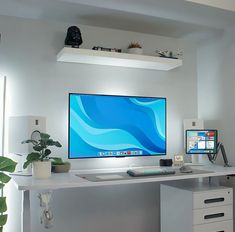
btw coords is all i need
(44, 136)
(47, 152)
(3, 205)
(27, 163)
(4, 178)
(57, 161)
(29, 141)
(57, 144)
(50, 142)
(37, 148)
(3, 219)
(7, 164)
(33, 156)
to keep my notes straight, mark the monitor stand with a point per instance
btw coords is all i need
(200, 159)
(203, 159)
(195, 159)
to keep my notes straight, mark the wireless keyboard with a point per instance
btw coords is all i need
(150, 172)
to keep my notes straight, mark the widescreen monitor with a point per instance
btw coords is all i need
(103, 126)
(201, 141)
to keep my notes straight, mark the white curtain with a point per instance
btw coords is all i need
(2, 90)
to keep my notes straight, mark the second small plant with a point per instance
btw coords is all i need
(134, 45)
(135, 48)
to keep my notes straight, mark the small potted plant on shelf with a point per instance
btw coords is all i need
(59, 166)
(40, 156)
(135, 48)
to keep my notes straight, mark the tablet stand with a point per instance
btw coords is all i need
(213, 158)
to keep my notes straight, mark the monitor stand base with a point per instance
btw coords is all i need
(200, 159)
(195, 159)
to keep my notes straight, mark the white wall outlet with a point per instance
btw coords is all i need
(193, 124)
(190, 124)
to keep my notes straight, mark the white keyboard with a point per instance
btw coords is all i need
(150, 171)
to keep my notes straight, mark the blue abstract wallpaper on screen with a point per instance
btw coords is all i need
(111, 126)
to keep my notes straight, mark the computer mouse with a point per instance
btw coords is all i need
(186, 169)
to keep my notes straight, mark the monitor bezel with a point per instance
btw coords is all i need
(109, 95)
(186, 152)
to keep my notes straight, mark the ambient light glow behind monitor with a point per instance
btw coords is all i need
(116, 126)
(201, 141)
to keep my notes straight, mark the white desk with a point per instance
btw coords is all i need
(70, 180)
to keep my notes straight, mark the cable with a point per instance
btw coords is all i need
(46, 213)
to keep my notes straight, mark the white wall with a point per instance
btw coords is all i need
(216, 87)
(38, 85)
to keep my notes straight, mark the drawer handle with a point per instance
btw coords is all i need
(214, 200)
(216, 215)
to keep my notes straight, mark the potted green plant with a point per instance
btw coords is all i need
(60, 166)
(6, 165)
(40, 156)
(135, 48)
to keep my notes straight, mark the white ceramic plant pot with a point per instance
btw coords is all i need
(42, 169)
(138, 51)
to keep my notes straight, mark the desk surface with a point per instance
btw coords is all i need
(71, 180)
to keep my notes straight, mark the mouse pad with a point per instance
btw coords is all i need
(98, 177)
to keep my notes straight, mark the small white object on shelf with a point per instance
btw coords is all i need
(87, 56)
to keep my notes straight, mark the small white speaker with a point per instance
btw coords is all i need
(21, 128)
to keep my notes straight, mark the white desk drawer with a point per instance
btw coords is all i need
(212, 198)
(225, 226)
(214, 214)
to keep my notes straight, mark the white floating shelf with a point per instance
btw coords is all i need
(87, 56)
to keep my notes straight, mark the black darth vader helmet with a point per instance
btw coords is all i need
(74, 37)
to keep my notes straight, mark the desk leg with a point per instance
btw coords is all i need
(25, 212)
